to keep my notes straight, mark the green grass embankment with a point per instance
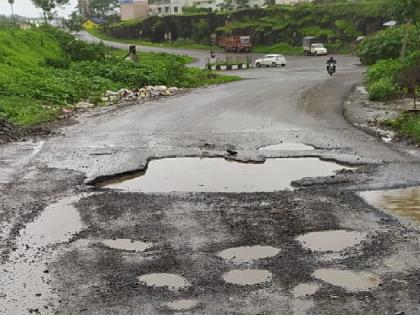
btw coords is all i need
(182, 44)
(43, 70)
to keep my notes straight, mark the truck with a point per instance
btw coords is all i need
(235, 43)
(313, 46)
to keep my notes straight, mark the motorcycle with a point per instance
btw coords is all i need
(331, 68)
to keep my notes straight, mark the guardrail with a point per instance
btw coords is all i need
(229, 63)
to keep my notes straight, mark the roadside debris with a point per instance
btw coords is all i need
(146, 93)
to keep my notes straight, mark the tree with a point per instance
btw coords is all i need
(47, 6)
(11, 2)
(75, 22)
(409, 76)
(404, 12)
(102, 8)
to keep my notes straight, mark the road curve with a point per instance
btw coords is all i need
(69, 248)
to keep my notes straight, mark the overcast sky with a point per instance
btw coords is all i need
(26, 8)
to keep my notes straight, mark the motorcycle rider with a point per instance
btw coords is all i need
(331, 62)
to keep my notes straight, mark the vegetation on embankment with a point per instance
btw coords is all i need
(393, 75)
(389, 75)
(335, 23)
(43, 70)
(280, 48)
(185, 44)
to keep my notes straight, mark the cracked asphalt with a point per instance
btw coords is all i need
(54, 222)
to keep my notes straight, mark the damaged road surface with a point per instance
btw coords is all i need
(255, 197)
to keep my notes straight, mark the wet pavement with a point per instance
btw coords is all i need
(183, 225)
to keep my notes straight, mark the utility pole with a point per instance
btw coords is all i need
(11, 2)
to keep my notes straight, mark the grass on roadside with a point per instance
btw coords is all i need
(407, 124)
(185, 44)
(44, 70)
(281, 48)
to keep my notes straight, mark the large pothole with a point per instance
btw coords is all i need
(220, 175)
(247, 276)
(330, 241)
(402, 202)
(166, 280)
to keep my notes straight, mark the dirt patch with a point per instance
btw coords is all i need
(10, 132)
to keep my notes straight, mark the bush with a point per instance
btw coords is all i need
(383, 89)
(384, 69)
(60, 63)
(80, 50)
(387, 44)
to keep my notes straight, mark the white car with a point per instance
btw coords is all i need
(271, 61)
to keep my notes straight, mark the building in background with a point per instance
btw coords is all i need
(134, 9)
(166, 7)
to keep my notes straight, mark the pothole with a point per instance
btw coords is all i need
(56, 224)
(247, 276)
(287, 147)
(403, 202)
(352, 281)
(26, 281)
(327, 241)
(182, 305)
(305, 289)
(246, 254)
(169, 280)
(220, 175)
(127, 244)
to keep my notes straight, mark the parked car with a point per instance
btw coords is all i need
(271, 61)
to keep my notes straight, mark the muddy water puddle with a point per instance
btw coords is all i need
(182, 305)
(220, 175)
(305, 289)
(168, 280)
(24, 283)
(127, 245)
(330, 241)
(402, 202)
(349, 280)
(247, 254)
(247, 276)
(287, 147)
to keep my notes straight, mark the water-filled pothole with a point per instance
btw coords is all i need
(127, 244)
(349, 280)
(169, 280)
(182, 305)
(305, 289)
(247, 276)
(287, 147)
(246, 254)
(26, 279)
(220, 175)
(403, 202)
(326, 241)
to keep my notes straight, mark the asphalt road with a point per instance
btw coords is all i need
(58, 234)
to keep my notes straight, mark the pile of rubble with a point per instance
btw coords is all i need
(146, 93)
(125, 95)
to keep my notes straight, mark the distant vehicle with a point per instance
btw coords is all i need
(331, 68)
(313, 46)
(235, 43)
(273, 60)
